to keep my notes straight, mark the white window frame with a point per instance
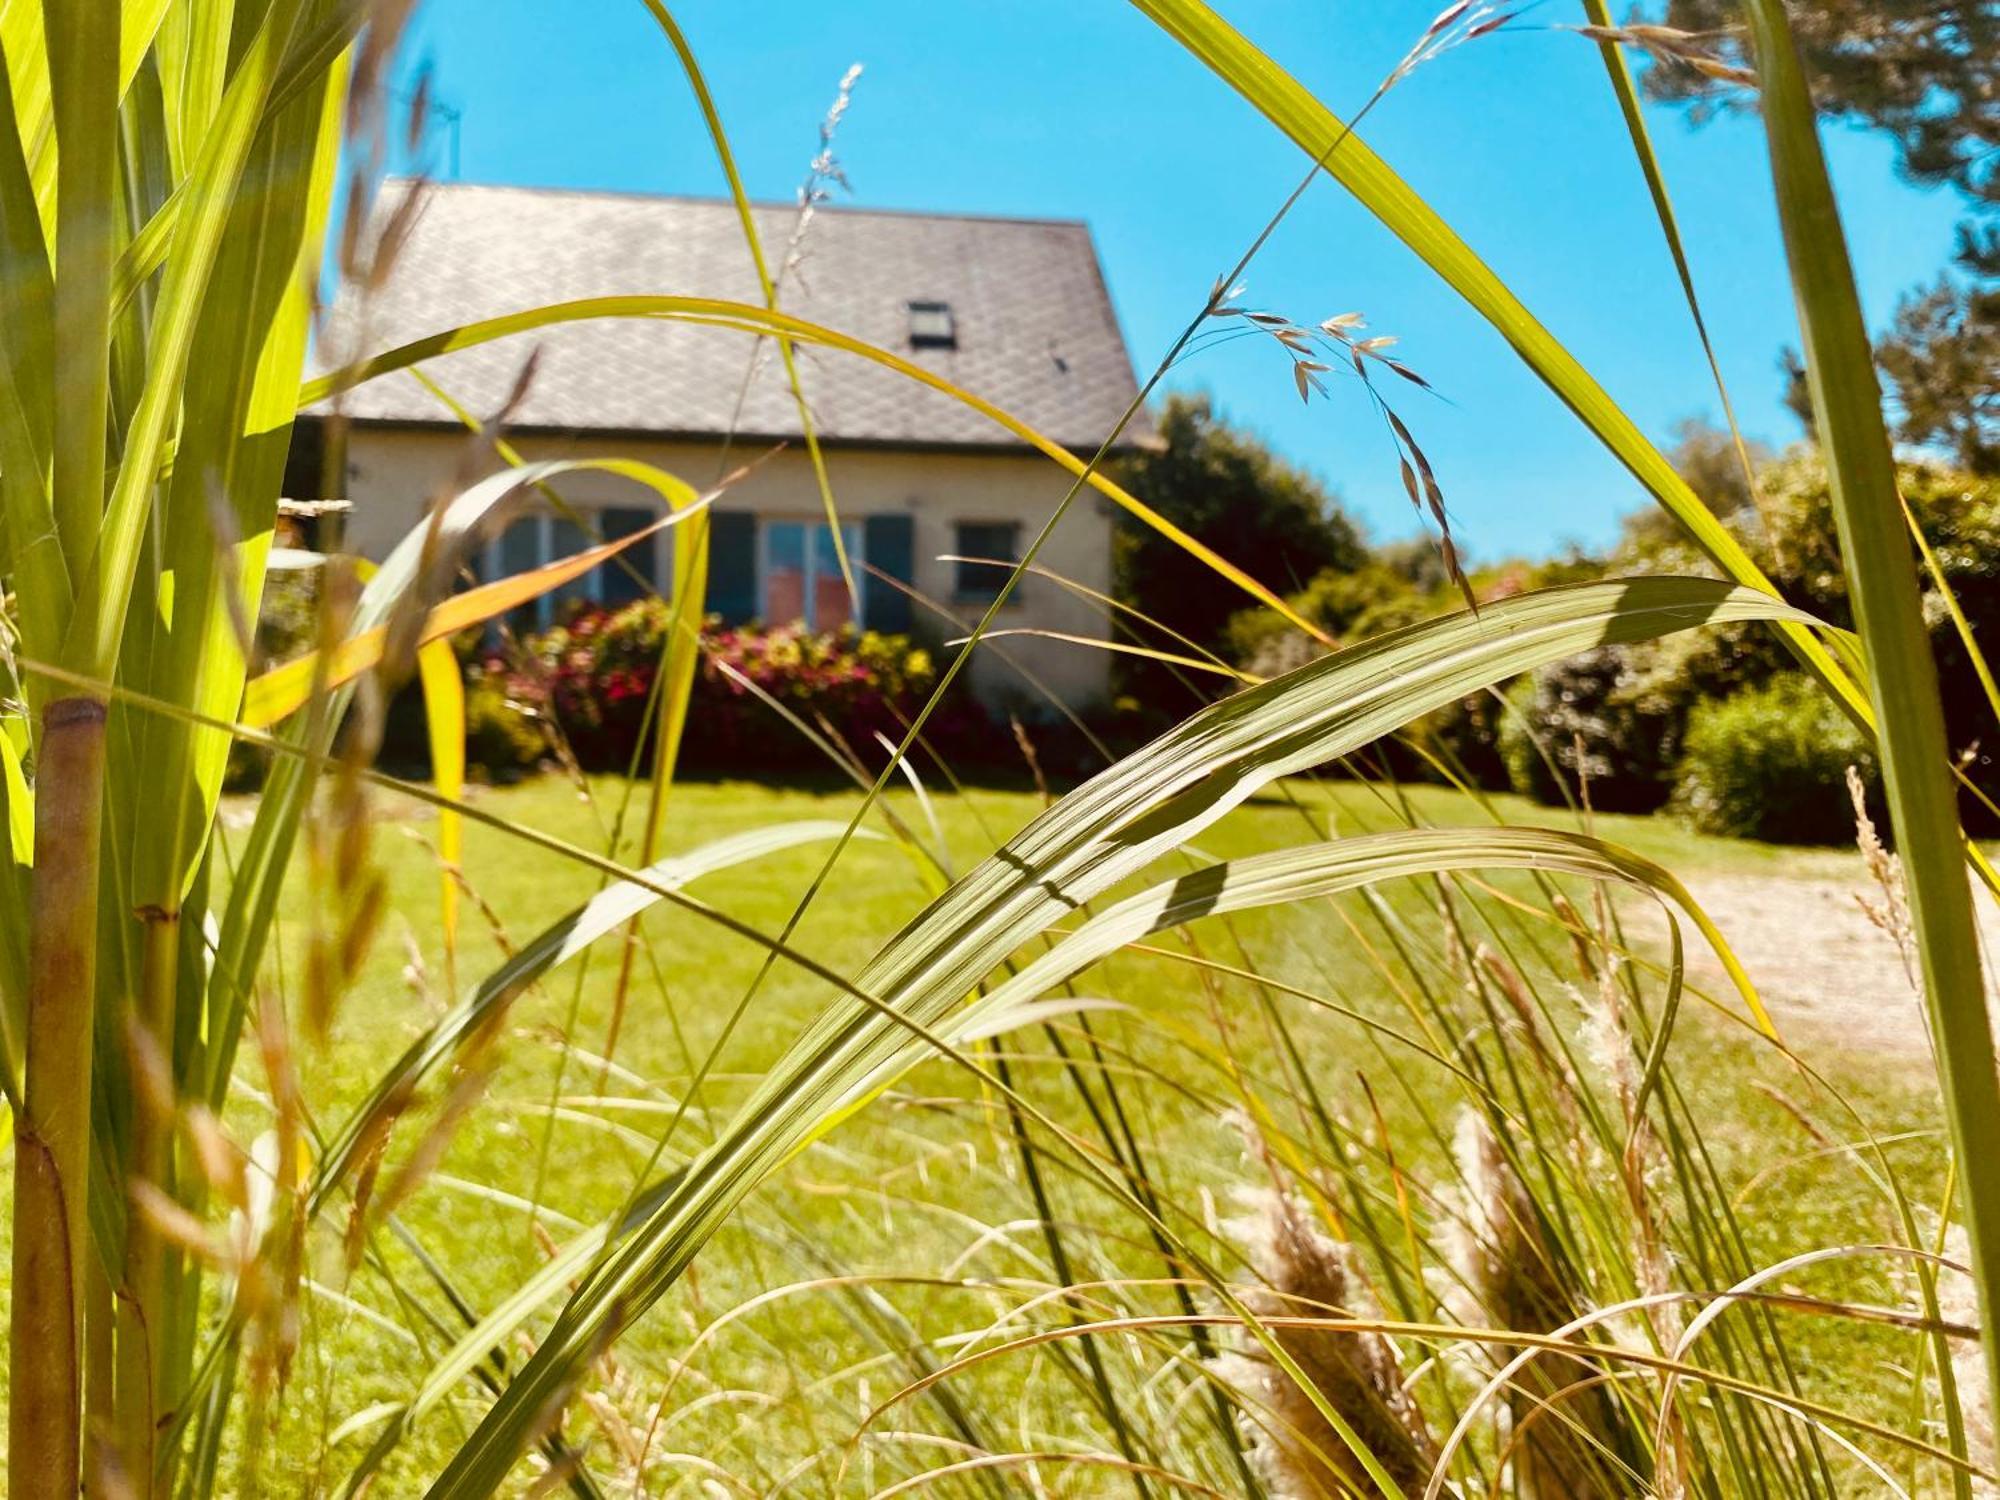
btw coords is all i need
(856, 555)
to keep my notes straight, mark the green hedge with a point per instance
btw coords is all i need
(1771, 763)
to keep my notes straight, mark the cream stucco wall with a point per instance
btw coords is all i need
(394, 473)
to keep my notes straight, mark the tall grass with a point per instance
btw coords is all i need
(1508, 1220)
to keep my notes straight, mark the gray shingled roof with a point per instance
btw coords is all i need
(1036, 331)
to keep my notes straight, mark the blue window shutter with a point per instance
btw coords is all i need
(616, 585)
(732, 565)
(889, 542)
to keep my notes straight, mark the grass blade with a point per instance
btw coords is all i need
(444, 725)
(1888, 611)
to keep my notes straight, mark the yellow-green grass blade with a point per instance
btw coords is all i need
(105, 581)
(27, 57)
(83, 78)
(1322, 136)
(136, 31)
(220, 507)
(1959, 623)
(726, 157)
(1888, 611)
(444, 726)
(193, 59)
(1149, 804)
(33, 551)
(1120, 648)
(14, 877)
(20, 801)
(401, 578)
(748, 318)
(1308, 873)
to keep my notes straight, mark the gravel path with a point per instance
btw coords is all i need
(1814, 955)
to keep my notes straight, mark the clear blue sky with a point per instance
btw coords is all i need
(1081, 108)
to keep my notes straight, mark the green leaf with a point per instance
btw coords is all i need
(83, 79)
(444, 728)
(33, 551)
(1316, 870)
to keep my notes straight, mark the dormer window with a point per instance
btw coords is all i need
(932, 326)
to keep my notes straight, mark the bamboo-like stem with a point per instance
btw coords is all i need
(141, 1305)
(1888, 614)
(52, 1130)
(100, 1322)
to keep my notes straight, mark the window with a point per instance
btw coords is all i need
(932, 326)
(801, 575)
(990, 542)
(535, 539)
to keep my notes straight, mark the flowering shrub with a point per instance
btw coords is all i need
(593, 676)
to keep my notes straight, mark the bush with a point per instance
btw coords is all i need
(1598, 722)
(593, 676)
(501, 738)
(1223, 486)
(1771, 763)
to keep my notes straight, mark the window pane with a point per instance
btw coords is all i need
(784, 572)
(520, 550)
(995, 540)
(616, 585)
(832, 606)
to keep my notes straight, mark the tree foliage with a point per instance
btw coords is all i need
(1622, 716)
(1226, 488)
(1928, 73)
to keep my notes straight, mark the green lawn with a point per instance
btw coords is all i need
(928, 1182)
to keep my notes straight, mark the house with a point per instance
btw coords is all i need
(1014, 310)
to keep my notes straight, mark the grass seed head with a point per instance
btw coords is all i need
(1298, 1452)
